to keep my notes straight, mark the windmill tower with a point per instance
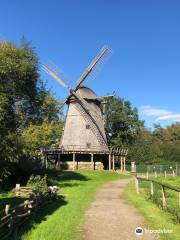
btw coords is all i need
(84, 131)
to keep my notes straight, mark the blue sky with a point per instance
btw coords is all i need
(144, 36)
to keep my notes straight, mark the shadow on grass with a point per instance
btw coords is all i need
(59, 178)
(12, 201)
(40, 215)
(62, 179)
(65, 178)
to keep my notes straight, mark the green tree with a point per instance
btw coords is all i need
(24, 103)
(122, 122)
(169, 139)
(146, 149)
(45, 135)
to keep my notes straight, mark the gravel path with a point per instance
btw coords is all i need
(111, 217)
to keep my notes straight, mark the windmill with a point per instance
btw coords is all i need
(84, 130)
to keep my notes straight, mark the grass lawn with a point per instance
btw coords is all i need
(173, 181)
(63, 218)
(155, 216)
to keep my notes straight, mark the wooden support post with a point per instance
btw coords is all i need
(173, 173)
(165, 173)
(164, 204)
(121, 163)
(74, 160)
(109, 162)
(152, 188)
(147, 175)
(137, 185)
(46, 161)
(113, 162)
(58, 165)
(92, 161)
(124, 160)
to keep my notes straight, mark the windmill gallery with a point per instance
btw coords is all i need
(83, 143)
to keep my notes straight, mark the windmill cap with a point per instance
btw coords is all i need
(87, 93)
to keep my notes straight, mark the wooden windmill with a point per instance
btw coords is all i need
(84, 126)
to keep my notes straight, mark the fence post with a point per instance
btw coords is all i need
(173, 173)
(15, 233)
(7, 208)
(164, 204)
(137, 185)
(147, 175)
(152, 188)
(18, 190)
(165, 173)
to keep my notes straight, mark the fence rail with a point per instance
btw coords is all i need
(163, 187)
(12, 218)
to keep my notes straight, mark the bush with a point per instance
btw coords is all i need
(39, 186)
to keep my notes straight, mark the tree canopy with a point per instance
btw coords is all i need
(122, 122)
(29, 112)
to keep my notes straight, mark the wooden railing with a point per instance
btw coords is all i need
(73, 148)
(12, 218)
(163, 187)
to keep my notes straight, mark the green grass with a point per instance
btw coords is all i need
(63, 218)
(154, 215)
(171, 196)
(173, 181)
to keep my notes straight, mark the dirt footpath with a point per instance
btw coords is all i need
(111, 217)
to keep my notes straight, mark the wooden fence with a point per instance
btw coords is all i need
(12, 218)
(163, 187)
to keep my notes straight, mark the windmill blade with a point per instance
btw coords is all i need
(58, 71)
(62, 103)
(88, 111)
(54, 75)
(95, 64)
(84, 103)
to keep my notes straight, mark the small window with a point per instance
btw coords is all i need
(88, 145)
(87, 126)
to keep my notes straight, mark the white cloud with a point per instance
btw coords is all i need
(175, 117)
(159, 114)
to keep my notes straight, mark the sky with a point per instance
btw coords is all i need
(144, 37)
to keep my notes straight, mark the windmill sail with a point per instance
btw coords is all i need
(95, 65)
(54, 75)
